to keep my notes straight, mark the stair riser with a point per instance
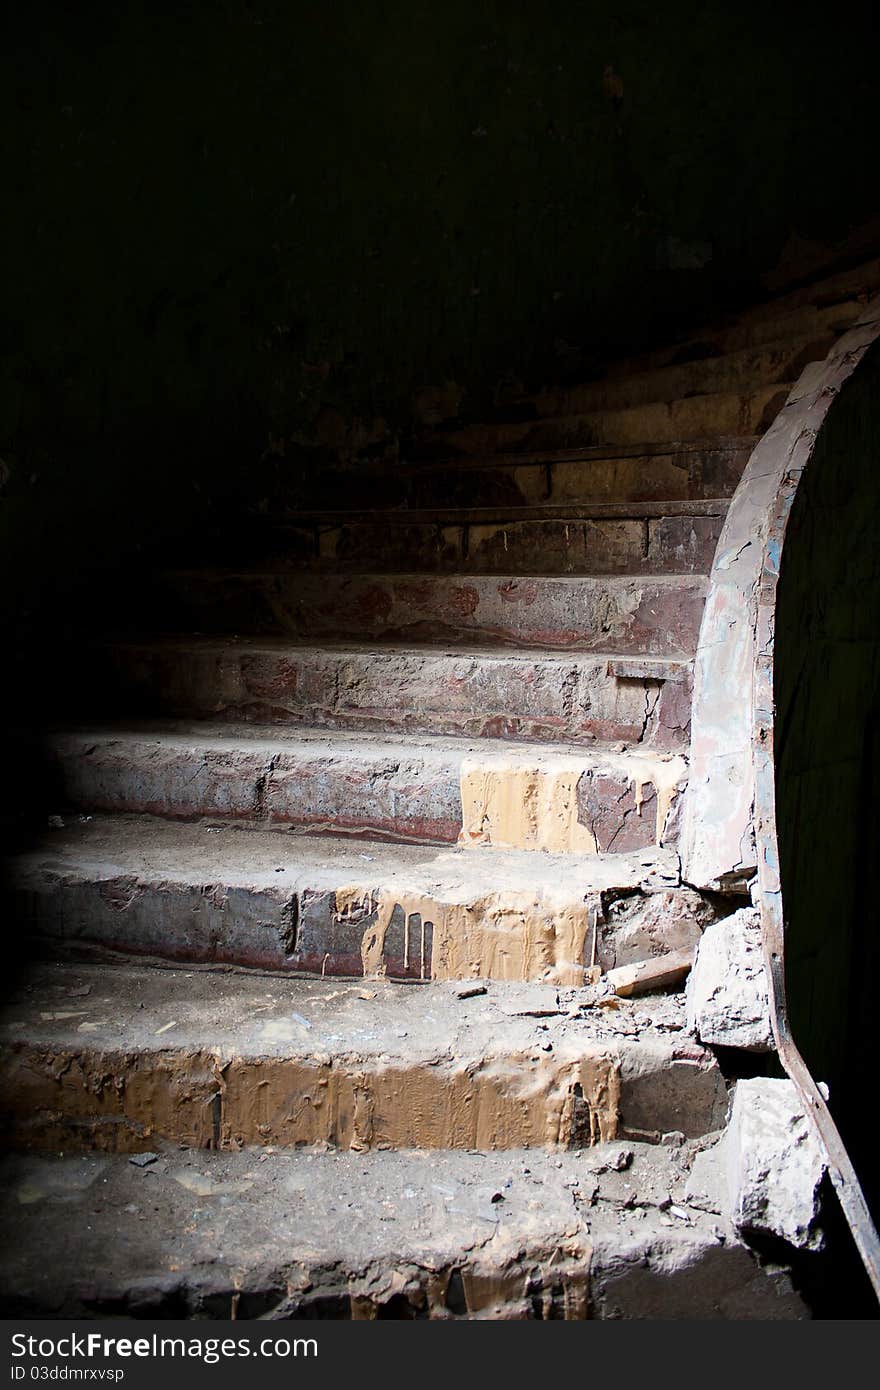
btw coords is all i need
(500, 696)
(661, 422)
(666, 545)
(741, 372)
(644, 616)
(118, 1101)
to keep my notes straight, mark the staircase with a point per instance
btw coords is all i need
(361, 872)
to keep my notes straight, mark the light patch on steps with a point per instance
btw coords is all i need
(517, 934)
(533, 805)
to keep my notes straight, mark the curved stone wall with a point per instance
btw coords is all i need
(732, 716)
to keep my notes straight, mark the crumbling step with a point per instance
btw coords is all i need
(119, 1058)
(421, 789)
(478, 693)
(793, 317)
(654, 616)
(693, 470)
(693, 417)
(615, 1232)
(738, 372)
(228, 895)
(395, 542)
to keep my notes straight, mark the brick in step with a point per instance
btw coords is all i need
(650, 616)
(420, 789)
(478, 693)
(216, 894)
(121, 1058)
(309, 1235)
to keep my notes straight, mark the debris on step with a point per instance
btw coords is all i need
(774, 1164)
(727, 1000)
(491, 1236)
(469, 989)
(659, 972)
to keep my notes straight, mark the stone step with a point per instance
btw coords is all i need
(478, 693)
(220, 894)
(657, 615)
(304, 1235)
(693, 417)
(741, 371)
(121, 1058)
(416, 789)
(538, 544)
(592, 477)
(842, 287)
(769, 325)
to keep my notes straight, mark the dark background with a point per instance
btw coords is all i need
(241, 237)
(239, 234)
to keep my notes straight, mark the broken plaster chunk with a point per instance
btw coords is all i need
(657, 973)
(727, 1001)
(774, 1164)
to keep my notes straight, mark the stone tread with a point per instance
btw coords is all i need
(461, 514)
(221, 893)
(536, 544)
(480, 691)
(405, 786)
(308, 1235)
(117, 1057)
(697, 416)
(655, 615)
(241, 856)
(740, 369)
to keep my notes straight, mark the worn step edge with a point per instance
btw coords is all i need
(437, 790)
(221, 1061)
(254, 898)
(364, 1236)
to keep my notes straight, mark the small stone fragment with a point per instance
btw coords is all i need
(469, 990)
(143, 1160)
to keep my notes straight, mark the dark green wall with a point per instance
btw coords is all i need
(234, 226)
